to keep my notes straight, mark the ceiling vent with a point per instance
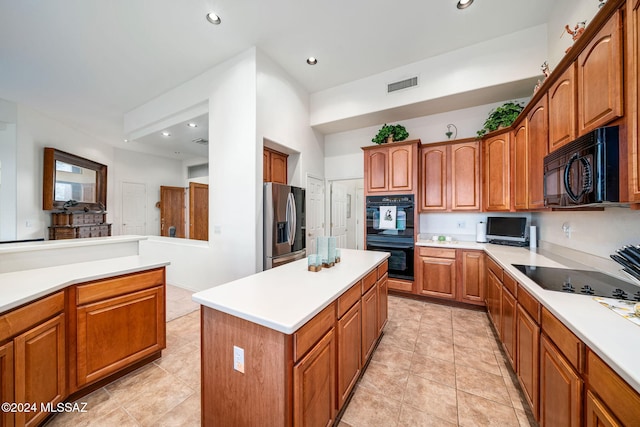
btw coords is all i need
(201, 141)
(403, 84)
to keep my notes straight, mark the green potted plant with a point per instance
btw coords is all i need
(390, 133)
(502, 116)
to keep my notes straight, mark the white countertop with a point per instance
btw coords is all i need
(20, 287)
(612, 337)
(66, 243)
(287, 297)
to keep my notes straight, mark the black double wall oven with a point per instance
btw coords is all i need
(390, 227)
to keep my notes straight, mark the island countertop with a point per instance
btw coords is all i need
(287, 297)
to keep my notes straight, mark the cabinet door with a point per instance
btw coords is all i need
(496, 192)
(278, 167)
(633, 94)
(349, 347)
(40, 374)
(521, 166)
(401, 168)
(266, 166)
(494, 299)
(597, 414)
(116, 332)
(383, 299)
(473, 277)
(537, 143)
(465, 176)
(369, 322)
(508, 325)
(433, 177)
(562, 109)
(314, 385)
(6, 382)
(600, 77)
(375, 170)
(438, 277)
(560, 389)
(527, 357)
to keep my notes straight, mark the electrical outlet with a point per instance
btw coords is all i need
(462, 224)
(238, 359)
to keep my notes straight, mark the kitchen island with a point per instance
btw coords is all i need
(285, 346)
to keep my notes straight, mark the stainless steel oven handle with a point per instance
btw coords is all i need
(390, 245)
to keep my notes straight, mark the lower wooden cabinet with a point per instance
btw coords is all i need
(6, 381)
(383, 302)
(560, 388)
(472, 283)
(508, 325)
(527, 356)
(597, 414)
(494, 299)
(370, 329)
(437, 273)
(349, 349)
(314, 385)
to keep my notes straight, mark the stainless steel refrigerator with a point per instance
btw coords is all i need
(284, 224)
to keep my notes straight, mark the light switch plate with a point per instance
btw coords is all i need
(238, 359)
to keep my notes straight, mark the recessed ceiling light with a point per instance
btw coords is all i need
(192, 125)
(213, 18)
(463, 4)
(312, 61)
(126, 140)
(165, 133)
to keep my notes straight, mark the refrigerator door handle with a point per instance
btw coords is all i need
(294, 220)
(289, 218)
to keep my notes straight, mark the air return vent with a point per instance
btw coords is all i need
(201, 141)
(403, 84)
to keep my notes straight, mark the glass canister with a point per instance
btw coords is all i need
(331, 250)
(337, 255)
(322, 249)
(313, 263)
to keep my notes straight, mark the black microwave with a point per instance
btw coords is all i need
(585, 171)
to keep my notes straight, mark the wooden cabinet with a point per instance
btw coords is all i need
(437, 272)
(633, 97)
(496, 191)
(597, 414)
(40, 368)
(383, 300)
(600, 71)
(391, 168)
(537, 120)
(370, 331)
(450, 177)
(560, 388)
(349, 351)
(274, 166)
(508, 308)
(78, 225)
(473, 277)
(314, 388)
(527, 356)
(562, 109)
(494, 299)
(6, 381)
(521, 166)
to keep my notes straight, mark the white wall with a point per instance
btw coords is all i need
(460, 226)
(514, 57)
(141, 168)
(8, 195)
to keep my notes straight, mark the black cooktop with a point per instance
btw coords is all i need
(581, 282)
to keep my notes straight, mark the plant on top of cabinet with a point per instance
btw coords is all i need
(502, 116)
(390, 133)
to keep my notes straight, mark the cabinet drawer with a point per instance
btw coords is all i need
(511, 284)
(309, 334)
(621, 399)
(437, 252)
(497, 270)
(570, 345)
(101, 289)
(369, 280)
(400, 285)
(382, 269)
(347, 299)
(529, 303)
(21, 319)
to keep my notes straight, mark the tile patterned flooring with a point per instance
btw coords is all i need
(435, 366)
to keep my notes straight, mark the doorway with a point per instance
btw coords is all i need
(315, 211)
(172, 207)
(134, 208)
(198, 211)
(346, 210)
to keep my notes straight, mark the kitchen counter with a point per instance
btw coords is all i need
(20, 287)
(287, 297)
(613, 338)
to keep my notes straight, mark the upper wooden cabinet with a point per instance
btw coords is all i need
(274, 166)
(537, 134)
(496, 179)
(633, 97)
(562, 109)
(600, 71)
(450, 177)
(392, 168)
(521, 166)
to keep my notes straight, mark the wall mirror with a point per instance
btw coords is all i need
(72, 181)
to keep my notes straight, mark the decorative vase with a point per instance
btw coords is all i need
(389, 139)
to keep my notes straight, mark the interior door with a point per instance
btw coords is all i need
(198, 211)
(134, 208)
(172, 209)
(339, 203)
(315, 212)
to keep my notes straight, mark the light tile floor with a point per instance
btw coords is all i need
(435, 366)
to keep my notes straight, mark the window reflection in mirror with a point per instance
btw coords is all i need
(74, 183)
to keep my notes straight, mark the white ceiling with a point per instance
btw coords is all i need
(86, 63)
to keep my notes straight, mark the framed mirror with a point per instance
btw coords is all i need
(72, 181)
